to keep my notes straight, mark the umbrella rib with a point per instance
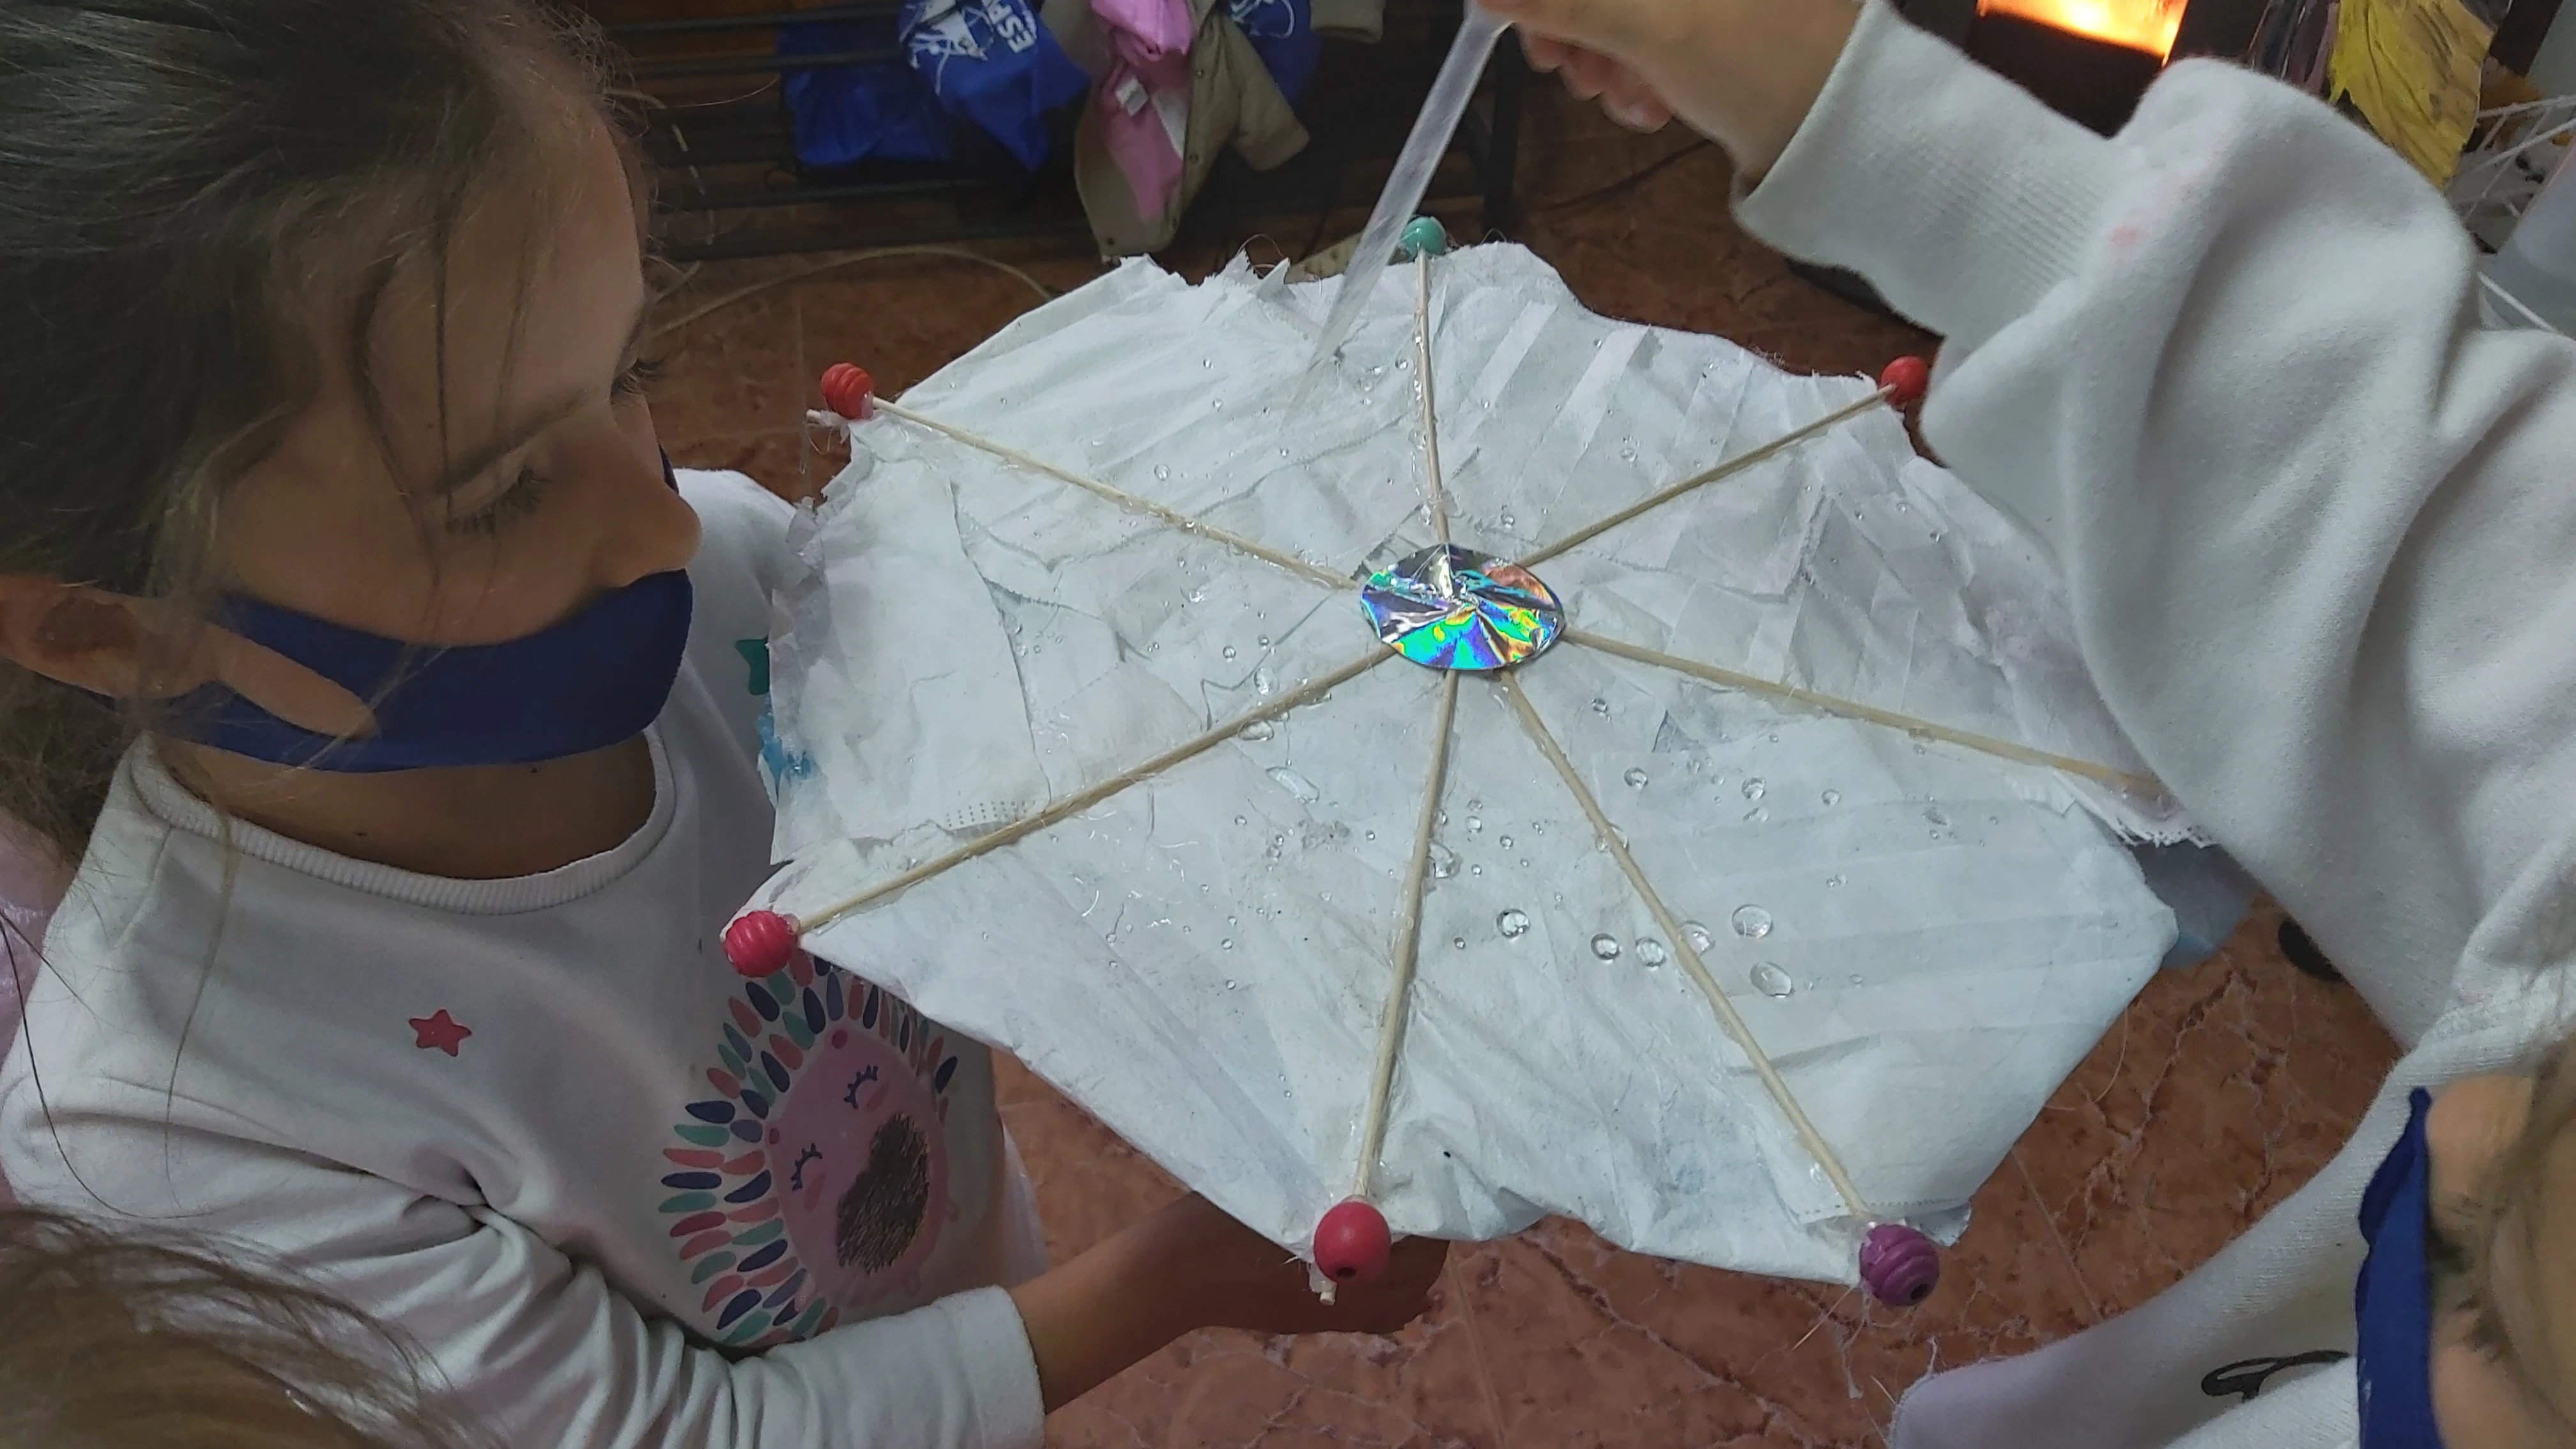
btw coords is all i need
(1772, 1082)
(1702, 479)
(1080, 801)
(2125, 781)
(1430, 414)
(1408, 949)
(1161, 513)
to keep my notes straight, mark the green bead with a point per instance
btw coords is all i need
(1422, 237)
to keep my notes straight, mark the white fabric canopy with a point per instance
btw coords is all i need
(1922, 938)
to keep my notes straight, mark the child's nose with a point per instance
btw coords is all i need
(646, 526)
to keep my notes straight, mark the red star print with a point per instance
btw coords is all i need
(441, 1031)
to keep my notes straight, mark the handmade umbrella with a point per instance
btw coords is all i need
(1466, 785)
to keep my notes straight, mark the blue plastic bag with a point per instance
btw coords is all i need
(993, 62)
(845, 114)
(1282, 33)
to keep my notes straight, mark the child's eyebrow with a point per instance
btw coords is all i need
(471, 464)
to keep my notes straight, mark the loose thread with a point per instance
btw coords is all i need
(1696, 481)
(1075, 804)
(2121, 780)
(1165, 514)
(1673, 932)
(1408, 950)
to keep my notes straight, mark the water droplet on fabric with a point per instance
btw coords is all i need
(1757, 814)
(1856, 981)
(1771, 981)
(1833, 882)
(1368, 835)
(1635, 777)
(1475, 823)
(1506, 520)
(1475, 870)
(1505, 842)
(1697, 935)
(1239, 820)
(1833, 797)
(1228, 651)
(1162, 472)
(1513, 924)
(1606, 947)
(1296, 784)
(1259, 730)
(1229, 985)
(1262, 683)
(1458, 942)
(1627, 452)
(1444, 861)
(1754, 789)
(1600, 706)
(1226, 945)
(1652, 952)
(1752, 922)
(1263, 641)
(1935, 817)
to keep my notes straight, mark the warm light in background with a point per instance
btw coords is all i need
(2148, 25)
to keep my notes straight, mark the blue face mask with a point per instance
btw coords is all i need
(2393, 1298)
(597, 678)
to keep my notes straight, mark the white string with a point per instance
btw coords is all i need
(1691, 963)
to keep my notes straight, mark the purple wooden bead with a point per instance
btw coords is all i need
(1899, 1265)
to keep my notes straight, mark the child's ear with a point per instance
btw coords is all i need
(87, 638)
(123, 647)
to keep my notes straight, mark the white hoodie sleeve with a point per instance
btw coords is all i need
(2318, 528)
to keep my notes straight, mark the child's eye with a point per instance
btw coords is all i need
(513, 503)
(637, 379)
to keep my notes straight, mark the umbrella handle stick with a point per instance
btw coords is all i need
(1673, 932)
(2122, 780)
(1161, 513)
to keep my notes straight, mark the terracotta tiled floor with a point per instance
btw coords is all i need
(2221, 1090)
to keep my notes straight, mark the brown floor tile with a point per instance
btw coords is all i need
(1592, 1346)
(731, 372)
(2220, 1091)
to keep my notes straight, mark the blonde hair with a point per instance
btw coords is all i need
(116, 1339)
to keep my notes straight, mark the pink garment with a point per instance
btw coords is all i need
(30, 885)
(1144, 100)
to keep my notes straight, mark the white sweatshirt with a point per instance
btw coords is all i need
(539, 1123)
(2321, 541)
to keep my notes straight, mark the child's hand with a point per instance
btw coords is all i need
(1190, 1266)
(1247, 1282)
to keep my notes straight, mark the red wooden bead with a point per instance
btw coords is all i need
(1899, 1265)
(1906, 379)
(849, 391)
(760, 942)
(1352, 1243)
